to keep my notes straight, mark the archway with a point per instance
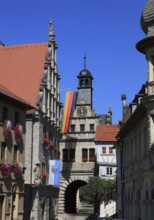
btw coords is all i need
(71, 196)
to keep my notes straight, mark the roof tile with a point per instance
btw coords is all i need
(106, 132)
(21, 68)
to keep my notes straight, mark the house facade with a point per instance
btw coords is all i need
(105, 138)
(35, 68)
(12, 158)
(135, 146)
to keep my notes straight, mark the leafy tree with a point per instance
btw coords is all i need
(96, 190)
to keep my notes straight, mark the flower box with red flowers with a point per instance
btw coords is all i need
(45, 140)
(71, 160)
(18, 131)
(18, 169)
(84, 159)
(52, 145)
(44, 175)
(5, 167)
(7, 128)
(92, 159)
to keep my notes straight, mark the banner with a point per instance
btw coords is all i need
(54, 172)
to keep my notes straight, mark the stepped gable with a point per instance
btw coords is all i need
(106, 132)
(21, 69)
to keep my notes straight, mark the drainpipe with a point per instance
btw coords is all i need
(31, 169)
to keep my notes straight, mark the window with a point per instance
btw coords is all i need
(16, 118)
(72, 128)
(110, 150)
(92, 154)
(3, 147)
(72, 155)
(5, 113)
(109, 170)
(15, 154)
(103, 150)
(82, 127)
(91, 127)
(84, 155)
(65, 155)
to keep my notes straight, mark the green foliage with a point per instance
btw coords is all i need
(95, 188)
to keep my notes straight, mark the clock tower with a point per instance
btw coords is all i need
(85, 87)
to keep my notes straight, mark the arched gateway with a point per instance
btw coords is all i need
(77, 144)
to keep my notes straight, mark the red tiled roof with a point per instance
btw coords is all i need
(6, 92)
(106, 132)
(21, 68)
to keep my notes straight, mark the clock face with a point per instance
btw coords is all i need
(82, 111)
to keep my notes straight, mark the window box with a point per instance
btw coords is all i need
(18, 169)
(18, 131)
(72, 160)
(5, 167)
(45, 140)
(92, 159)
(84, 159)
(7, 128)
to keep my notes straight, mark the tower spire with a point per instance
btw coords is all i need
(85, 61)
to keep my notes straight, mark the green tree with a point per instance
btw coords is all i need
(96, 190)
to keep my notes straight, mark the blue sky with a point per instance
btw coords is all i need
(107, 31)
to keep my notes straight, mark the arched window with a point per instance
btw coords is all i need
(86, 82)
(81, 82)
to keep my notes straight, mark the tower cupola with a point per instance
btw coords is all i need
(85, 86)
(85, 78)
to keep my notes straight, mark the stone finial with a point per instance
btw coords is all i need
(147, 18)
(51, 34)
(123, 98)
(85, 61)
(109, 116)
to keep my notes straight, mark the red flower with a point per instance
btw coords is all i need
(44, 175)
(18, 130)
(52, 145)
(45, 140)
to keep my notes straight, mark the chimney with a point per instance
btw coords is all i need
(123, 98)
(2, 44)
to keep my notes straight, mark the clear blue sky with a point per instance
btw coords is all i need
(107, 31)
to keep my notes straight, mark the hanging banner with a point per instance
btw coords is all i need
(54, 172)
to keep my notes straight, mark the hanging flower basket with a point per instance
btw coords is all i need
(18, 169)
(5, 167)
(44, 175)
(18, 131)
(7, 128)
